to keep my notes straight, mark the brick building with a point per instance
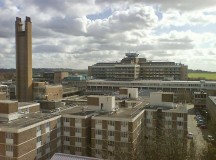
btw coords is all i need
(162, 115)
(27, 136)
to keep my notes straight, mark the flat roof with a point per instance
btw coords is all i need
(87, 111)
(213, 99)
(22, 104)
(176, 108)
(149, 81)
(26, 120)
(7, 101)
(62, 156)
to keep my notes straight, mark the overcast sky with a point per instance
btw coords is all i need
(78, 33)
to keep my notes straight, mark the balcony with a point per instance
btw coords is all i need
(98, 146)
(47, 129)
(111, 138)
(9, 141)
(66, 124)
(123, 139)
(98, 136)
(38, 144)
(180, 119)
(9, 153)
(38, 133)
(78, 144)
(78, 134)
(111, 127)
(66, 143)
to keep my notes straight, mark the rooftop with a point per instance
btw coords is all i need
(176, 107)
(26, 120)
(213, 99)
(61, 156)
(22, 104)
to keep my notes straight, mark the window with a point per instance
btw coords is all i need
(168, 122)
(66, 147)
(9, 148)
(124, 134)
(111, 123)
(66, 129)
(168, 114)
(9, 135)
(67, 138)
(47, 124)
(124, 124)
(78, 149)
(38, 128)
(148, 120)
(98, 121)
(99, 132)
(180, 123)
(39, 150)
(47, 145)
(78, 130)
(180, 115)
(97, 151)
(110, 143)
(123, 144)
(38, 139)
(66, 119)
(77, 139)
(111, 133)
(77, 120)
(97, 141)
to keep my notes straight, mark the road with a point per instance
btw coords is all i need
(199, 134)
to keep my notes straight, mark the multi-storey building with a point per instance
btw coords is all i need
(27, 136)
(163, 116)
(200, 99)
(24, 60)
(131, 68)
(95, 129)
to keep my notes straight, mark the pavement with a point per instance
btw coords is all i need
(199, 135)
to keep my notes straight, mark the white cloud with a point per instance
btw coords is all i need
(63, 36)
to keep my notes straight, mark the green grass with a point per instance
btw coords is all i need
(207, 76)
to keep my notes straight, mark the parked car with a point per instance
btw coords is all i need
(203, 126)
(210, 138)
(199, 123)
(190, 135)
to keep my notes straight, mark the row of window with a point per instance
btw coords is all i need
(110, 143)
(111, 123)
(111, 133)
(77, 120)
